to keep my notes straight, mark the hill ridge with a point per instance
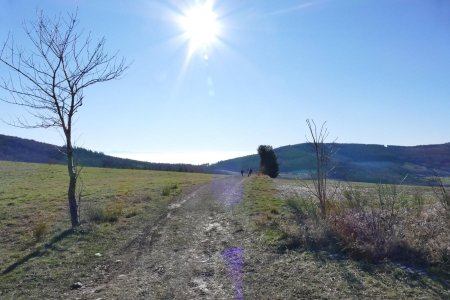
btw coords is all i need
(27, 150)
(360, 162)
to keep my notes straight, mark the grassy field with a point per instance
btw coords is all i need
(306, 258)
(290, 251)
(34, 219)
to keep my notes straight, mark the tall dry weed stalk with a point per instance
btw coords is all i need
(443, 195)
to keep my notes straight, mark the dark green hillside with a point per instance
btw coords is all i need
(23, 150)
(358, 162)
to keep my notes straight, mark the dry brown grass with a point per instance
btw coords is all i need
(375, 222)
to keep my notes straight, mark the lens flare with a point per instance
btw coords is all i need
(201, 26)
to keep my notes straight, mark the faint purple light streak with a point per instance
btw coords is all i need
(234, 259)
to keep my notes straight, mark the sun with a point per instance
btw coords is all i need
(201, 26)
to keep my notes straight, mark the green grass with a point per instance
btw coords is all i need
(264, 208)
(34, 210)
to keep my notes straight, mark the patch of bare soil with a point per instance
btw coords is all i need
(185, 255)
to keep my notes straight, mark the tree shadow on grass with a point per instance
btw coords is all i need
(39, 251)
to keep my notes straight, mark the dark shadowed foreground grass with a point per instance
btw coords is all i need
(290, 258)
(38, 252)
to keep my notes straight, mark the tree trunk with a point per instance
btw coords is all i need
(71, 193)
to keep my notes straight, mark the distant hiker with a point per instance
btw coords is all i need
(250, 172)
(242, 173)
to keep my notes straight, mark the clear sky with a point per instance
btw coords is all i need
(378, 71)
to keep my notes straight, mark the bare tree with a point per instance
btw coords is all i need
(49, 80)
(322, 153)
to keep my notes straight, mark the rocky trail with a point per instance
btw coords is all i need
(192, 252)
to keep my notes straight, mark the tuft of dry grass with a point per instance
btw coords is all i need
(98, 214)
(168, 189)
(39, 230)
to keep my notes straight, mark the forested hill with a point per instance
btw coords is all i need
(358, 162)
(23, 150)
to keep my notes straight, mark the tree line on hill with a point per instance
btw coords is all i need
(23, 150)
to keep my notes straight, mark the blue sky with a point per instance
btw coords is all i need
(378, 71)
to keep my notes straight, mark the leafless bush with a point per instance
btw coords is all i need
(393, 225)
(390, 221)
(371, 228)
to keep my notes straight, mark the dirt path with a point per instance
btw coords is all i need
(191, 253)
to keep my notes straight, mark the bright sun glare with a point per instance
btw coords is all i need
(200, 26)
